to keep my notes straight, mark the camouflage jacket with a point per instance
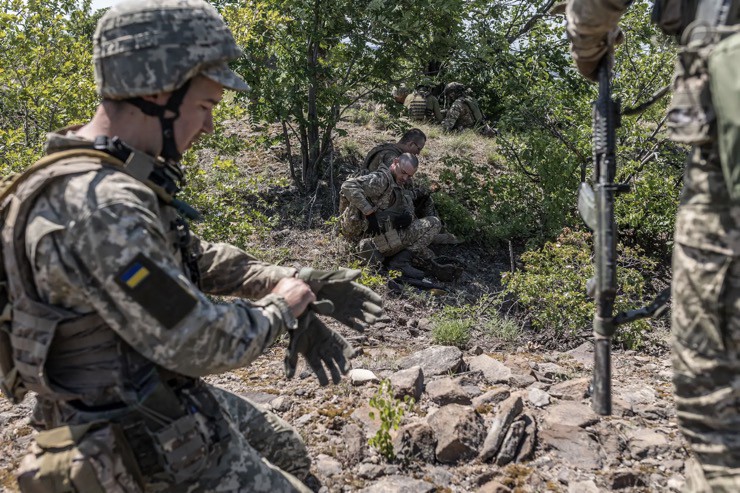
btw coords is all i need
(459, 117)
(382, 154)
(375, 191)
(85, 230)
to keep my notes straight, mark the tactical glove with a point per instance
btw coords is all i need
(321, 347)
(354, 304)
(373, 226)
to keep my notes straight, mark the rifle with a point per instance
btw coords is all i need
(597, 209)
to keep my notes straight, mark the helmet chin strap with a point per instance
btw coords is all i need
(169, 146)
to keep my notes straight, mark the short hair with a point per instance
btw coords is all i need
(413, 135)
(409, 158)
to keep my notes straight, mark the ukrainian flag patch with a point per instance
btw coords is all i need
(134, 275)
(155, 290)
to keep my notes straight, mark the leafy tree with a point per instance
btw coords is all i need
(46, 76)
(309, 61)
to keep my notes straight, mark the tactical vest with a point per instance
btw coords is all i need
(375, 158)
(474, 109)
(104, 379)
(418, 107)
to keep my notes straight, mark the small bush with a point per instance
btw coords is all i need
(390, 412)
(551, 288)
(448, 330)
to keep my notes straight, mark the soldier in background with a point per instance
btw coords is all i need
(422, 105)
(705, 321)
(464, 112)
(412, 142)
(381, 215)
(111, 325)
(400, 93)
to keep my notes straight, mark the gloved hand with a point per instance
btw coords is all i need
(373, 226)
(355, 305)
(321, 347)
(403, 220)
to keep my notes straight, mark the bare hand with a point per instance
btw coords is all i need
(297, 294)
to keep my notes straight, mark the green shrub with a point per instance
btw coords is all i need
(390, 412)
(551, 287)
(449, 328)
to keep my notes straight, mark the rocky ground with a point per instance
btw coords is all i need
(496, 416)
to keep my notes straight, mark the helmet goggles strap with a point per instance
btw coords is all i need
(169, 146)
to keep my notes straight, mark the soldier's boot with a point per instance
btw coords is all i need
(369, 253)
(402, 262)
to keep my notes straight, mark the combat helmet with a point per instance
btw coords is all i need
(454, 89)
(145, 47)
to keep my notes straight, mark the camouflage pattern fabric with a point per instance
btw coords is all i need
(458, 117)
(165, 44)
(705, 288)
(423, 106)
(382, 154)
(376, 191)
(85, 228)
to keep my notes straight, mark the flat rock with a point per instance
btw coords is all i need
(328, 466)
(408, 382)
(569, 413)
(459, 431)
(571, 390)
(494, 487)
(362, 416)
(573, 445)
(583, 354)
(446, 391)
(493, 370)
(521, 380)
(493, 396)
(360, 376)
(538, 398)
(415, 441)
(583, 487)
(435, 360)
(646, 442)
(354, 442)
(399, 484)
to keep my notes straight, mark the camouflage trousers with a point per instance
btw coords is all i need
(706, 364)
(419, 235)
(265, 453)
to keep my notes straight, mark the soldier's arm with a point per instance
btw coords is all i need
(590, 25)
(134, 282)
(363, 190)
(228, 270)
(452, 115)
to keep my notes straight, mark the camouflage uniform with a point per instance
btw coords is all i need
(381, 154)
(705, 287)
(459, 117)
(82, 231)
(423, 106)
(376, 192)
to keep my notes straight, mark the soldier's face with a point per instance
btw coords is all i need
(402, 172)
(196, 111)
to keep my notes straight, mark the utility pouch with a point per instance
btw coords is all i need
(182, 449)
(724, 71)
(691, 114)
(673, 16)
(388, 243)
(89, 458)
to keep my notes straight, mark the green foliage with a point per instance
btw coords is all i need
(450, 329)
(551, 288)
(371, 277)
(46, 75)
(226, 197)
(390, 413)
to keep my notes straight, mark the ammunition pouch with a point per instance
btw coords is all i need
(391, 219)
(89, 458)
(388, 243)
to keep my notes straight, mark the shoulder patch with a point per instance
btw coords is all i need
(156, 291)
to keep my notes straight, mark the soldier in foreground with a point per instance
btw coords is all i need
(380, 214)
(706, 273)
(464, 112)
(110, 324)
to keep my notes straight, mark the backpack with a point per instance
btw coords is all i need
(11, 381)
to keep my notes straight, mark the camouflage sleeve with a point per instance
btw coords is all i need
(363, 190)
(112, 248)
(452, 115)
(228, 270)
(589, 23)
